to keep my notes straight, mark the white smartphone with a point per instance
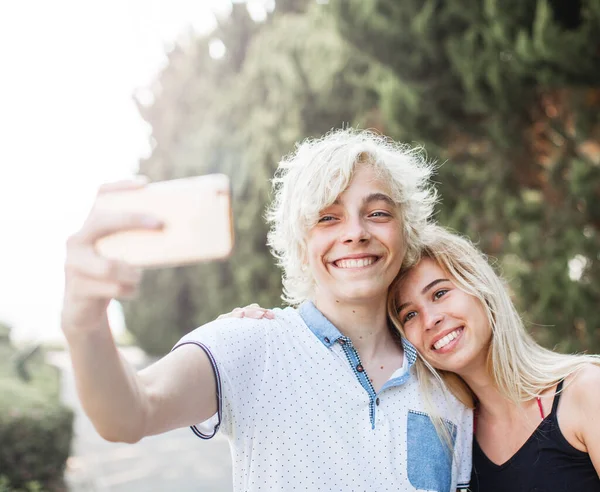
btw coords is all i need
(197, 218)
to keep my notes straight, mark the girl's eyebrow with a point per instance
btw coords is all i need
(425, 289)
(433, 284)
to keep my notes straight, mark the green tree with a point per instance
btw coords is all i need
(505, 94)
(280, 81)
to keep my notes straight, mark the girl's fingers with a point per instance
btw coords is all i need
(252, 311)
(255, 311)
(236, 313)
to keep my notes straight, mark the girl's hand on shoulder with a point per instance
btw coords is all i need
(253, 311)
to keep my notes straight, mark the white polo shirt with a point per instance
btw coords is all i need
(300, 413)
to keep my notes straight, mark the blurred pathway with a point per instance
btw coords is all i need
(175, 461)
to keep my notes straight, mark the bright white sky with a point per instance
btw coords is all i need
(67, 123)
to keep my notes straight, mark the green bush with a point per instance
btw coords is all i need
(35, 429)
(5, 486)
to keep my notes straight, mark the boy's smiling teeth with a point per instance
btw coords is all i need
(442, 342)
(355, 262)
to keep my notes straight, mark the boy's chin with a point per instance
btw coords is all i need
(362, 294)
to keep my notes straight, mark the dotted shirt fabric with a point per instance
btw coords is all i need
(297, 417)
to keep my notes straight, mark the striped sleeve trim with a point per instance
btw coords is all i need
(195, 429)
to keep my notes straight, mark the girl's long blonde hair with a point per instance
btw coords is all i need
(521, 368)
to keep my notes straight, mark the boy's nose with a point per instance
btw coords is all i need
(355, 231)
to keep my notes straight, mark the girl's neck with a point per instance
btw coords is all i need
(491, 403)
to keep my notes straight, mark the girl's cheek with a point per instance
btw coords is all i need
(413, 338)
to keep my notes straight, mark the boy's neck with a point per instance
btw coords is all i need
(365, 323)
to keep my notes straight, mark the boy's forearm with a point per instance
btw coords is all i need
(108, 387)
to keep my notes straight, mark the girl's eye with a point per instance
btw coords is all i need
(410, 315)
(440, 293)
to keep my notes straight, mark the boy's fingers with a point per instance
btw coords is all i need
(89, 288)
(103, 224)
(85, 261)
(125, 184)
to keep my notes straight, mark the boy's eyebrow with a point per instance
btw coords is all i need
(373, 197)
(425, 289)
(379, 197)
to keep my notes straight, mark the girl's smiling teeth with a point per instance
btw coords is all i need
(355, 262)
(445, 340)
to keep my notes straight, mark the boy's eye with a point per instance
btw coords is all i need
(326, 218)
(380, 213)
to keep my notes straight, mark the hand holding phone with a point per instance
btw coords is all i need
(196, 217)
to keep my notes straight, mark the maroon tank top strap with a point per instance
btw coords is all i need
(557, 395)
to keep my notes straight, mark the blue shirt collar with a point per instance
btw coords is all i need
(325, 331)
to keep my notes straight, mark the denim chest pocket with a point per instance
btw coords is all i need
(429, 464)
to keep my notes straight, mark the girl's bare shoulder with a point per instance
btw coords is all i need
(585, 382)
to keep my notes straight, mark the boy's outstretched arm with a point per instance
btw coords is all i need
(124, 405)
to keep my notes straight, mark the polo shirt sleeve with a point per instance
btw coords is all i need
(464, 446)
(238, 350)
